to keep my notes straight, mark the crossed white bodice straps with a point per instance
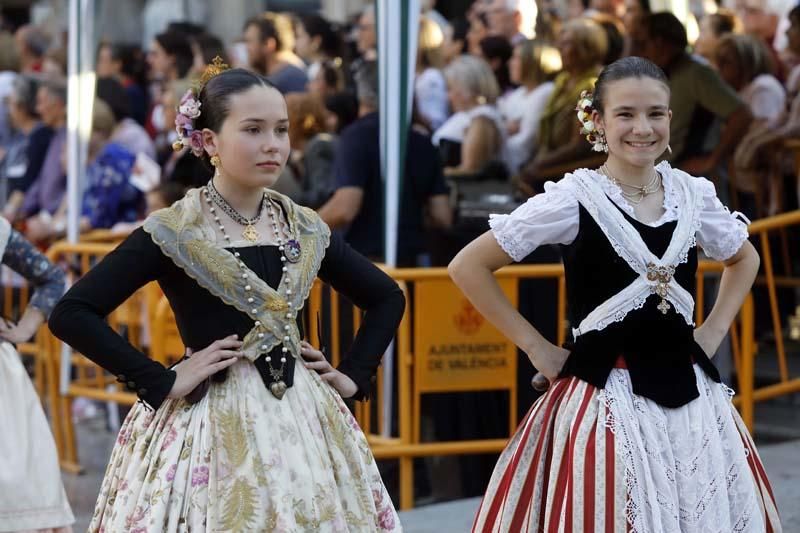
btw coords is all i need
(655, 274)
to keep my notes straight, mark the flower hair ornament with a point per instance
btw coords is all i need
(588, 128)
(189, 111)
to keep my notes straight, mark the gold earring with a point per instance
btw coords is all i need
(215, 161)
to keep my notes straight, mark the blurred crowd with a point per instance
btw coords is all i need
(493, 116)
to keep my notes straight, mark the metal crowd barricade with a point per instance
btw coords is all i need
(424, 313)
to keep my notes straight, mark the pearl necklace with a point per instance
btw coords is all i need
(278, 386)
(641, 190)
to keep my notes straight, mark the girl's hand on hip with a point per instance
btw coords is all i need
(198, 366)
(315, 360)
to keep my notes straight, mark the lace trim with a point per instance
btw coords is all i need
(713, 461)
(507, 241)
(670, 204)
(623, 227)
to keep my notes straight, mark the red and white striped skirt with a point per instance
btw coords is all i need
(592, 460)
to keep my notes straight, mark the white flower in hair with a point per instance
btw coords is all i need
(588, 125)
(582, 116)
(190, 108)
(599, 147)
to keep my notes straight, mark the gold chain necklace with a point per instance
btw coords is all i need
(641, 190)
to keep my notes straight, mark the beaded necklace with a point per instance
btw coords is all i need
(289, 249)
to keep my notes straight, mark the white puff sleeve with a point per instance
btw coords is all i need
(552, 217)
(721, 233)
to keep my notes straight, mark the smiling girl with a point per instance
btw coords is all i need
(636, 431)
(249, 431)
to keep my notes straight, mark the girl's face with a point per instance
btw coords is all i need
(636, 120)
(253, 142)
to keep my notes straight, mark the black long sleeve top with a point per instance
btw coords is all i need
(202, 318)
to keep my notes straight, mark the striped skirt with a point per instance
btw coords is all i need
(606, 460)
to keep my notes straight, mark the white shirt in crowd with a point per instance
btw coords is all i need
(526, 107)
(430, 93)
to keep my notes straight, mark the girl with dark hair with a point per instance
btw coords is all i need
(636, 431)
(249, 431)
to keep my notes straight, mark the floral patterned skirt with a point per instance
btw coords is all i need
(242, 460)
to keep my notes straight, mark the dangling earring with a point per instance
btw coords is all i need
(215, 161)
(601, 143)
(669, 149)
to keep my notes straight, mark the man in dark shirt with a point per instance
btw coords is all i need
(270, 39)
(357, 206)
(698, 95)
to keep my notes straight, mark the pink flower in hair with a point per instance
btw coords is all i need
(183, 124)
(196, 143)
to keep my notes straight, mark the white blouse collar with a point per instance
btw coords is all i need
(670, 205)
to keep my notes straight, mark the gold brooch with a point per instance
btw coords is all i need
(660, 276)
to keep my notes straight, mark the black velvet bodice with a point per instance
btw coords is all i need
(203, 318)
(658, 349)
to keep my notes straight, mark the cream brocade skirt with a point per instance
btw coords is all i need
(242, 460)
(32, 496)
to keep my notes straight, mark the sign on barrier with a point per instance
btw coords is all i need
(456, 348)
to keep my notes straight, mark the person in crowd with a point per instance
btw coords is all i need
(430, 87)
(744, 62)
(478, 31)
(247, 417)
(615, 35)
(127, 132)
(328, 78)
(761, 18)
(357, 206)
(698, 95)
(270, 40)
(26, 152)
(32, 44)
(109, 195)
(513, 19)
(44, 196)
(455, 39)
(639, 375)
(206, 47)
(170, 56)
(473, 138)
(54, 64)
(496, 51)
(125, 63)
(32, 496)
(308, 178)
(583, 45)
(532, 67)
(9, 65)
(316, 42)
(366, 36)
(713, 27)
(342, 110)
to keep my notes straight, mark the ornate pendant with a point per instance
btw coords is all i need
(293, 251)
(250, 234)
(278, 389)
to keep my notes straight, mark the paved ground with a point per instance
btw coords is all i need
(779, 421)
